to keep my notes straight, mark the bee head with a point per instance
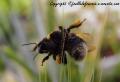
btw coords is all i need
(43, 47)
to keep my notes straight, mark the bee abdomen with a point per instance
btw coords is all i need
(79, 51)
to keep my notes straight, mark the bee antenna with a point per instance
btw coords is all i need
(35, 56)
(29, 44)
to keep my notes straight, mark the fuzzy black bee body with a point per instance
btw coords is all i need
(74, 45)
(62, 41)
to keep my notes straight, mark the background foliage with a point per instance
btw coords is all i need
(24, 21)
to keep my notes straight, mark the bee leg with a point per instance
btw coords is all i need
(35, 48)
(45, 58)
(58, 59)
(37, 45)
(54, 57)
(76, 24)
(64, 59)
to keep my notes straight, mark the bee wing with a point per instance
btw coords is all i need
(91, 48)
(88, 39)
(85, 36)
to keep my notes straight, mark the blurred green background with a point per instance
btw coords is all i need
(24, 21)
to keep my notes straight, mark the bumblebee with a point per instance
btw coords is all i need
(61, 41)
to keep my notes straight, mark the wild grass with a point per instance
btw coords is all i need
(17, 21)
